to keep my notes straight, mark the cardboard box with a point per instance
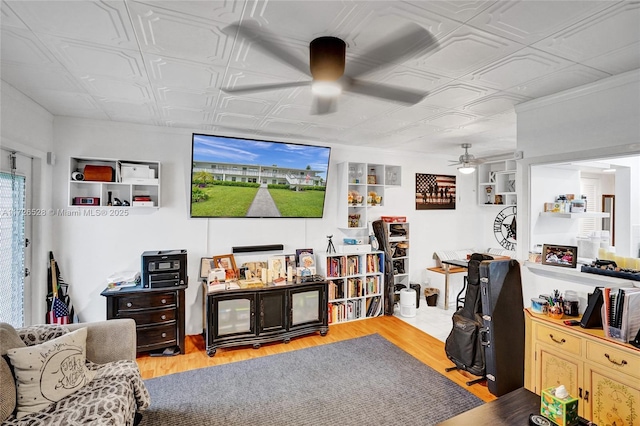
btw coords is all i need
(561, 411)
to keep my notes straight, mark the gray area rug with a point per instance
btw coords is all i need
(367, 380)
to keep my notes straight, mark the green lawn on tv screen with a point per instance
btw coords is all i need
(234, 201)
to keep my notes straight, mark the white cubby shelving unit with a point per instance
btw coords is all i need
(140, 178)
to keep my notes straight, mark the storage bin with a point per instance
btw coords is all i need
(431, 296)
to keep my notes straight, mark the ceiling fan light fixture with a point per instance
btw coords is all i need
(466, 169)
(326, 88)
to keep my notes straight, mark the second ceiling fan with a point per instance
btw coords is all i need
(327, 60)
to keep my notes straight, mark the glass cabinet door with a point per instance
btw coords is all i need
(234, 316)
(306, 305)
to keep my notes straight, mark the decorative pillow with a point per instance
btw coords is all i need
(36, 334)
(9, 338)
(48, 372)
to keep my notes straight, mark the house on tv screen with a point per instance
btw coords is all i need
(252, 173)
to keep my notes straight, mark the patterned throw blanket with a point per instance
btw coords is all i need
(112, 398)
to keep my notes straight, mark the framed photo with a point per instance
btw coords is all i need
(206, 265)
(554, 255)
(254, 269)
(435, 192)
(228, 263)
(304, 257)
(278, 266)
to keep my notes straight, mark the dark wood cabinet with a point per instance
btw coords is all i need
(159, 314)
(260, 315)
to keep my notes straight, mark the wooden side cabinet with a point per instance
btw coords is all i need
(604, 374)
(260, 315)
(159, 314)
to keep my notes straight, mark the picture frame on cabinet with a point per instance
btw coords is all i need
(556, 255)
(228, 263)
(305, 257)
(435, 192)
(254, 269)
(278, 266)
(206, 265)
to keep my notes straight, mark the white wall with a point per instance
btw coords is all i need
(91, 248)
(595, 121)
(27, 128)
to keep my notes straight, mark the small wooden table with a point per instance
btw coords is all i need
(510, 409)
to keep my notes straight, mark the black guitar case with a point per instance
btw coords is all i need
(380, 233)
(464, 344)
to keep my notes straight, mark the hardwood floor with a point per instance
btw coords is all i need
(412, 340)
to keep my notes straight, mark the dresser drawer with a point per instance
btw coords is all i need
(610, 357)
(157, 335)
(558, 339)
(152, 316)
(147, 301)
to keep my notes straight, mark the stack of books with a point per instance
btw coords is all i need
(142, 201)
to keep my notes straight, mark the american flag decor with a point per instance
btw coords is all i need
(58, 301)
(59, 313)
(435, 192)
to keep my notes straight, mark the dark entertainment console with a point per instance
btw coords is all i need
(260, 315)
(158, 312)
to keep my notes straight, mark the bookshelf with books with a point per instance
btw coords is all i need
(355, 285)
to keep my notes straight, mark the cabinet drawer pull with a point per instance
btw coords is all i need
(580, 393)
(560, 342)
(164, 334)
(163, 301)
(613, 361)
(163, 317)
(129, 304)
(586, 396)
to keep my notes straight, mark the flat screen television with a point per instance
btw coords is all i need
(238, 177)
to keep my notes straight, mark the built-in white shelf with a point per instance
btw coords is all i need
(574, 215)
(577, 276)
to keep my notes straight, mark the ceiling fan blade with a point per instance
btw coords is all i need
(323, 105)
(265, 87)
(407, 42)
(391, 93)
(266, 41)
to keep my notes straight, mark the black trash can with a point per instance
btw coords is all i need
(431, 296)
(416, 287)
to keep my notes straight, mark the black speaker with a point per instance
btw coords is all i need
(592, 317)
(251, 249)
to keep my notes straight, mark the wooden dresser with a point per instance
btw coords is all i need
(603, 373)
(159, 314)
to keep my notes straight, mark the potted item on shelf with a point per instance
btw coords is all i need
(371, 177)
(354, 220)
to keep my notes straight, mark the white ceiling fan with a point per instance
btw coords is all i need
(466, 161)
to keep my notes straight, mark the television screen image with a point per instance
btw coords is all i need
(237, 177)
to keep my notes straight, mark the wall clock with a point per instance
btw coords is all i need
(504, 227)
